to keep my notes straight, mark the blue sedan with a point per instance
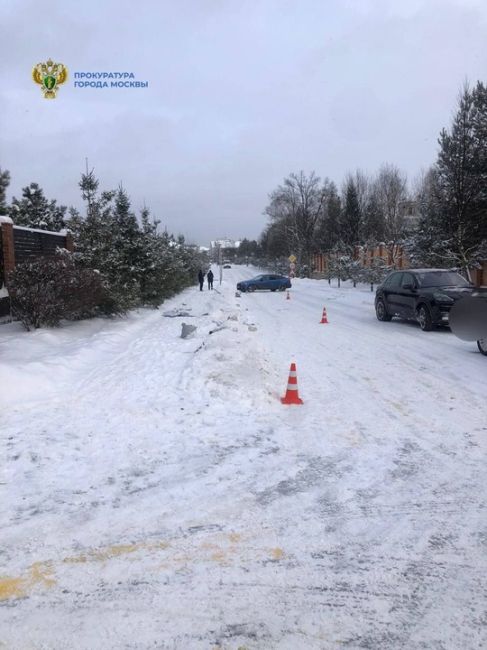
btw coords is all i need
(269, 282)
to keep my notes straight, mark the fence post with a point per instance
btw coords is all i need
(69, 242)
(7, 226)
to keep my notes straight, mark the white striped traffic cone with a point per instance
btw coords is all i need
(324, 319)
(291, 396)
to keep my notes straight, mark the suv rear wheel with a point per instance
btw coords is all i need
(482, 346)
(424, 319)
(381, 311)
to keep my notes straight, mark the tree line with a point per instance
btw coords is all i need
(440, 219)
(122, 260)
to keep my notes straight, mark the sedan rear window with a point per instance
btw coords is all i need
(441, 279)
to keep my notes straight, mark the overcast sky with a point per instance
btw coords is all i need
(241, 93)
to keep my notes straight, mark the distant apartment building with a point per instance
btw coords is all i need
(228, 247)
(224, 243)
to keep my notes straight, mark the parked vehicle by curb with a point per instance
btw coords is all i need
(423, 295)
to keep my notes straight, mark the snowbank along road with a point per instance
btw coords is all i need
(156, 494)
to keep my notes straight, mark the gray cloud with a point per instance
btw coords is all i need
(240, 94)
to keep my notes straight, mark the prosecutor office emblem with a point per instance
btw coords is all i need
(49, 76)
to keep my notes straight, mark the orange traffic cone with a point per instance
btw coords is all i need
(291, 396)
(324, 319)
(288, 296)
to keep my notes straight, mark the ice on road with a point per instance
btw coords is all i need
(155, 493)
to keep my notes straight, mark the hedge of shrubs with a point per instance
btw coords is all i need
(47, 290)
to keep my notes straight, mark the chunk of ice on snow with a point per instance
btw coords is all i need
(187, 330)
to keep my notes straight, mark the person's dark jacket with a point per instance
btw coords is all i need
(209, 276)
(201, 276)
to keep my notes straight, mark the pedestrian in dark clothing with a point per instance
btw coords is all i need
(209, 277)
(201, 277)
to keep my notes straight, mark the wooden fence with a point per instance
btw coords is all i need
(19, 244)
(393, 256)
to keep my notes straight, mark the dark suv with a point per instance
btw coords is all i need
(425, 295)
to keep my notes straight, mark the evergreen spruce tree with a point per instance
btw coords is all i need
(35, 211)
(376, 272)
(189, 261)
(429, 244)
(4, 183)
(462, 179)
(328, 230)
(94, 237)
(94, 234)
(138, 264)
(154, 266)
(350, 217)
(452, 196)
(126, 261)
(479, 119)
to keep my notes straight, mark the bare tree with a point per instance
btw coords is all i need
(297, 205)
(391, 195)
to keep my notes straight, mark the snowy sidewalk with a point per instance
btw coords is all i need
(155, 493)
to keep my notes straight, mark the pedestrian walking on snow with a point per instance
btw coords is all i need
(201, 277)
(209, 277)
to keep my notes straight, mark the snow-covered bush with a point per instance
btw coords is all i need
(85, 293)
(376, 272)
(48, 289)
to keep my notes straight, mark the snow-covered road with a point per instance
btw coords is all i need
(156, 494)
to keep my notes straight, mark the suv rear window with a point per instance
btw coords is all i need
(394, 280)
(441, 279)
(408, 278)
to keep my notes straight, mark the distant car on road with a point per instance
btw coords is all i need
(263, 282)
(227, 266)
(424, 295)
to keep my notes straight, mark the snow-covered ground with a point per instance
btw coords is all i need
(156, 494)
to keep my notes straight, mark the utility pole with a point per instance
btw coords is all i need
(220, 262)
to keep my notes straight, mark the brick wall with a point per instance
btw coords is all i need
(8, 249)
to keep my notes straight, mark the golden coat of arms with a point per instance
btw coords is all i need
(49, 76)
